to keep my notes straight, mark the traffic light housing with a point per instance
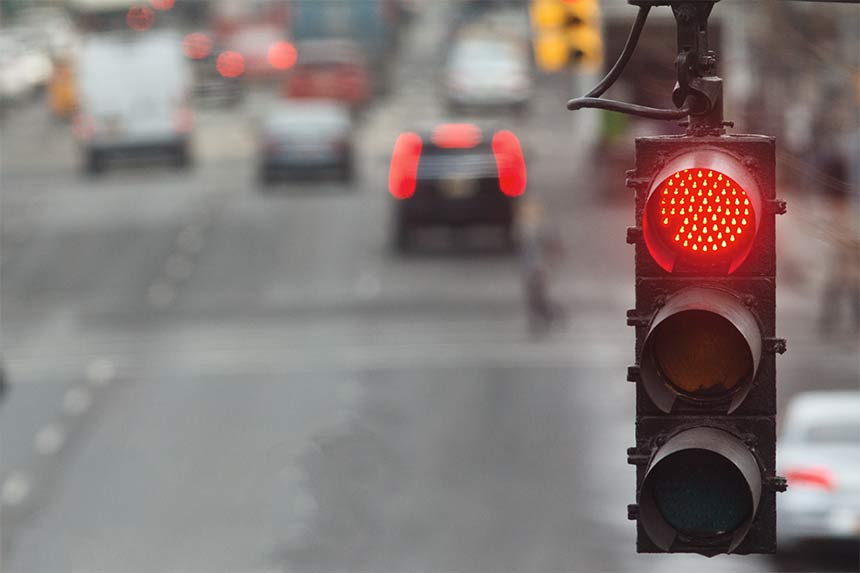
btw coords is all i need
(705, 344)
(566, 33)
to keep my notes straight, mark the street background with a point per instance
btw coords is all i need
(206, 375)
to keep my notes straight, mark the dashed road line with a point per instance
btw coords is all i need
(178, 267)
(15, 489)
(190, 240)
(100, 372)
(50, 439)
(76, 401)
(160, 294)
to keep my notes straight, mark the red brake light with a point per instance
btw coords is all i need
(816, 477)
(196, 45)
(162, 4)
(230, 64)
(456, 136)
(282, 55)
(404, 165)
(510, 163)
(139, 18)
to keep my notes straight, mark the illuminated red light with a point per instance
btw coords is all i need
(139, 18)
(162, 4)
(815, 477)
(703, 212)
(456, 136)
(230, 64)
(403, 172)
(197, 45)
(510, 163)
(282, 55)
(702, 215)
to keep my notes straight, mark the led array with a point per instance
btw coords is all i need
(704, 211)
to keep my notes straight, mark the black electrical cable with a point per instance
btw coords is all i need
(628, 108)
(593, 100)
(626, 53)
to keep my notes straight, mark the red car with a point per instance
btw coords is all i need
(330, 69)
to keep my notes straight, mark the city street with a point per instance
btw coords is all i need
(207, 375)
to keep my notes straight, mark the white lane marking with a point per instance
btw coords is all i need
(16, 489)
(178, 267)
(100, 372)
(160, 294)
(76, 401)
(49, 439)
(190, 240)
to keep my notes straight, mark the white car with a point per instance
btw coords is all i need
(133, 98)
(13, 76)
(482, 74)
(819, 454)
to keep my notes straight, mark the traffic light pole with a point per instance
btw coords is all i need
(698, 93)
(705, 265)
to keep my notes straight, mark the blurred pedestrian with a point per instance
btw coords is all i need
(842, 284)
(540, 250)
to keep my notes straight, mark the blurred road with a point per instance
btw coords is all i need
(208, 376)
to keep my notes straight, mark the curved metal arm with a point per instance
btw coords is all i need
(628, 108)
(626, 53)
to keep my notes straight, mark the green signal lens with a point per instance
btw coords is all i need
(701, 493)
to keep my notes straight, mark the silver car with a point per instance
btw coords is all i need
(302, 136)
(819, 454)
(485, 74)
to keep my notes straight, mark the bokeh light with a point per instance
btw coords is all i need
(139, 18)
(197, 45)
(162, 4)
(282, 55)
(703, 212)
(230, 64)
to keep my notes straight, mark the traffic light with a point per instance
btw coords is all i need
(567, 33)
(705, 344)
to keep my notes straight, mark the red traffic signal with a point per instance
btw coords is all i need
(703, 210)
(705, 344)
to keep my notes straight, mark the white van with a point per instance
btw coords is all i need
(133, 97)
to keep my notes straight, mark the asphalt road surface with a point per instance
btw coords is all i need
(207, 376)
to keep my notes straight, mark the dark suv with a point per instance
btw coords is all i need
(455, 175)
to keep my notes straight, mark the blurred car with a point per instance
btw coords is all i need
(306, 136)
(819, 454)
(23, 67)
(254, 44)
(331, 69)
(133, 98)
(212, 88)
(14, 84)
(486, 74)
(455, 175)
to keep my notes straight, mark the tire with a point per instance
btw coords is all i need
(402, 235)
(94, 162)
(347, 172)
(509, 237)
(181, 157)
